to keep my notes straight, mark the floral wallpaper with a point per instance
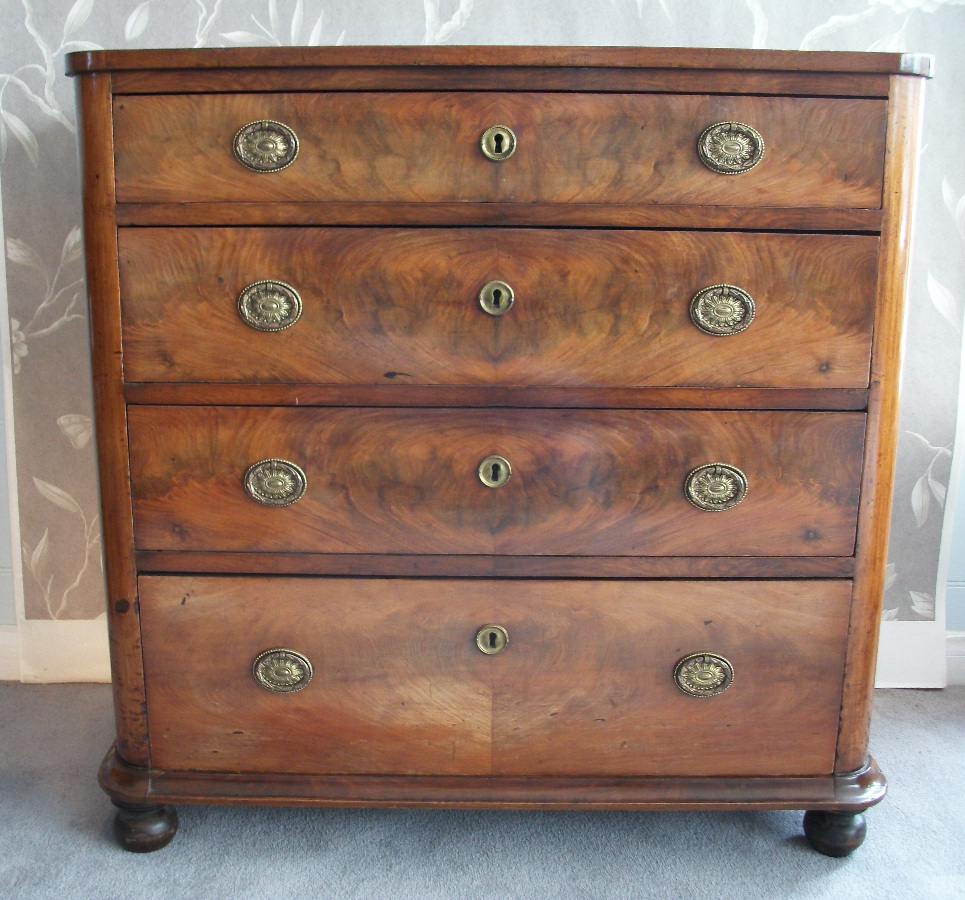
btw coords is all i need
(60, 528)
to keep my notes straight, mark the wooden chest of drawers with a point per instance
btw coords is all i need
(507, 436)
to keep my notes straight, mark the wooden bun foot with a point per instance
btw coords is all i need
(834, 834)
(142, 829)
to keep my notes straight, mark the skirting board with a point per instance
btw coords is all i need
(9, 653)
(911, 655)
(75, 650)
(956, 657)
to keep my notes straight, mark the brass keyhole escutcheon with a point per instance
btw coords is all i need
(498, 142)
(495, 471)
(492, 639)
(496, 298)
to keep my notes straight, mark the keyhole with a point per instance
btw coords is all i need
(492, 639)
(494, 471)
(496, 298)
(498, 142)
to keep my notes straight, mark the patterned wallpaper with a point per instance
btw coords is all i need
(59, 521)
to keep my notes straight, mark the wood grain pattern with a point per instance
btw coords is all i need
(583, 687)
(482, 56)
(572, 148)
(852, 791)
(877, 484)
(462, 566)
(542, 215)
(400, 688)
(396, 687)
(592, 308)
(100, 239)
(584, 482)
(521, 78)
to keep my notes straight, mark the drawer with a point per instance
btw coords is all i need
(590, 308)
(584, 687)
(583, 482)
(570, 148)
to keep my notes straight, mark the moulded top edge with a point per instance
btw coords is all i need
(482, 56)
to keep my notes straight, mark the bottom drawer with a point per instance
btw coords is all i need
(586, 685)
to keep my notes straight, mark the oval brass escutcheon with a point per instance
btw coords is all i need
(715, 486)
(492, 639)
(269, 305)
(265, 146)
(495, 471)
(730, 148)
(498, 142)
(496, 298)
(722, 309)
(703, 674)
(275, 482)
(282, 670)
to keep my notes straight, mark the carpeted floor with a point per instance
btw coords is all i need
(55, 831)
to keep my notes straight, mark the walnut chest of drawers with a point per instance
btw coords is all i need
(512, 435)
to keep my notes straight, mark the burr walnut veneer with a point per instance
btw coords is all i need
(510, 435)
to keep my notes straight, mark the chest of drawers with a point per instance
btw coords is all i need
(495, 436)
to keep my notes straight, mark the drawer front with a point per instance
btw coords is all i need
(584, 687)
(590, 308)
(584, 482)
(570, 148)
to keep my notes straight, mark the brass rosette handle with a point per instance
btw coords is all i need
(498, 142)
(715, 486)
(722, 309)
(703, 674)
(275, 482)
(281, 670)
(730, 148)
(265, 146)
(269, 305)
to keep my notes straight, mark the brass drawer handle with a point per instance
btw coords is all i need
(703, 674)
(492, 639)
(715, 487)
(275, 482)
(496, 298)
(282, 670)
(265, 146)
(495, 471)
(269, 305)
(498, 142)
(722, 309)
(730, 148)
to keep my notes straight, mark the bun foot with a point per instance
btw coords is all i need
(834, 834)
(142, 829)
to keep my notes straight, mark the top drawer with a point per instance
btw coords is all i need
(570, 148)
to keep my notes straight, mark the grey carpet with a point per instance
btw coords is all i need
(55, 826)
